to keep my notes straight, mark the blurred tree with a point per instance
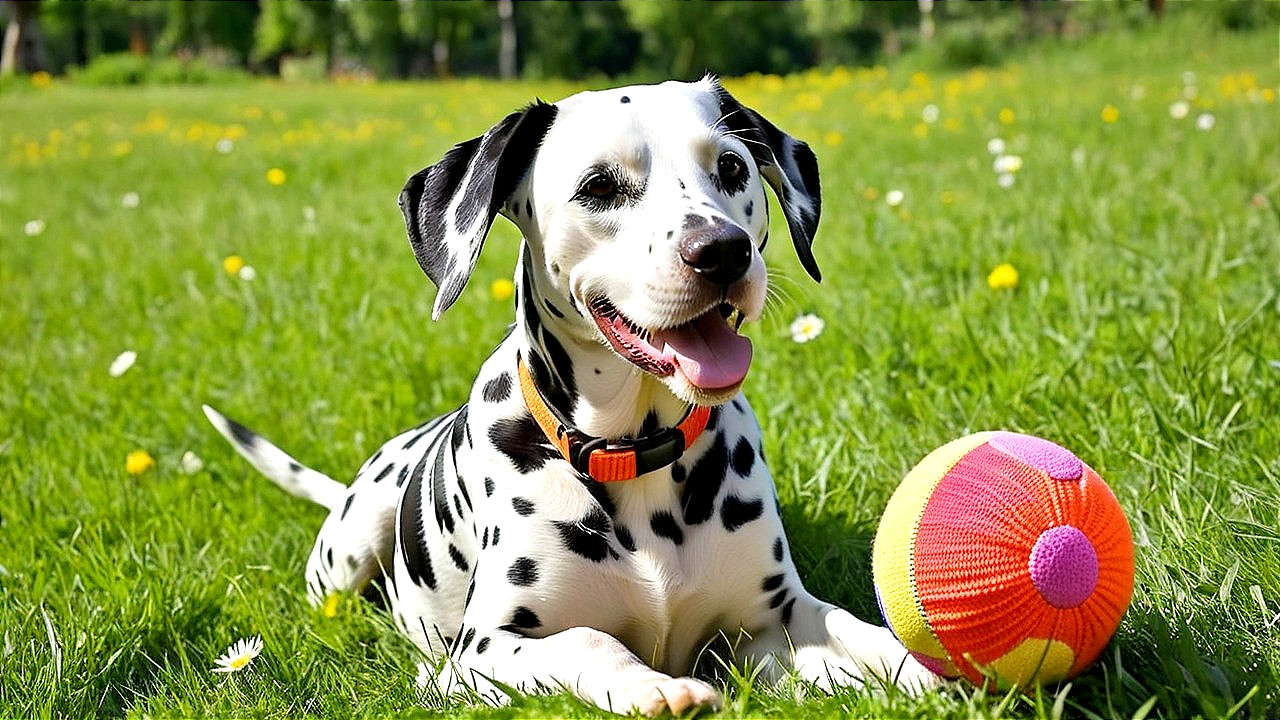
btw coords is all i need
(307, 28)
(682, 39)
(196, 27)
(23, 40)
(576, 39)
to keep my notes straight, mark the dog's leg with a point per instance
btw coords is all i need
(593, 665)
(828, 646)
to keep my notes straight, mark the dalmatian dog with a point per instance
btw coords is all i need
(599, 511)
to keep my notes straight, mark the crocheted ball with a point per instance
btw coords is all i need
(1003, 557)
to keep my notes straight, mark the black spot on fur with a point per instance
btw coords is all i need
(295, 466)
(458, 560)
(488, 487)
(484, 538)
(528, 207)
(786, 611)
(624, 538)
(458, 433)
(735, 513)
(713, 419)
(778, 599)
(737, 405)
(523, 506)
(498, 388)
(352, 563)
(553, 309)
(413, 440)
(523, 442)
(625, 99)
(678, 473)
(650, 424)
(471, 590)
(703, 486)
(466, 640)
(466, 496)
(525, 618)
(589, 536)
(777, 549)
(773, 582)
(404, 475)
(385, 472)
(523, 572)
(744, 457)
(242, 434)
(440, 501)
(482, 645)
(457, 502)
(346, 506)
(496, 531)
(664, 525)
(750, 206)
(414, 551)
(328, 557)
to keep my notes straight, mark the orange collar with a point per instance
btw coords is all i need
(609, 461)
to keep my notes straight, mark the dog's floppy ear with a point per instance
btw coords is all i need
(448, 207)
(787, 164)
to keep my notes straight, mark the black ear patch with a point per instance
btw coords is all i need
(787, 164)
(449, 206)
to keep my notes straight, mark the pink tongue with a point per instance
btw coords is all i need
(709, 353)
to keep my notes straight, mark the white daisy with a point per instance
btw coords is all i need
(995, 146)
(130, 200)
(1005, 180)
(225, 145)
(309, 213)
(1006, 164)
(894, 197)
(34, 227)
(122, 363)
(191, 463)
(1179, 109)
(806, 327)
(1188, 78)
(239, 655)
(930, 113)
(247, 273)
(1205, 122)
(1078, 157)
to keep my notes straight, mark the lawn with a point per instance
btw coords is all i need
(1143, 333)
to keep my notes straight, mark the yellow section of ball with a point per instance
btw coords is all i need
(893, 550)
(1033, 661)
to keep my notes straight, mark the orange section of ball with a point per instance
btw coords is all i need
(971, 561)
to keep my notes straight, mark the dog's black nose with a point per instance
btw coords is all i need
(719, 252)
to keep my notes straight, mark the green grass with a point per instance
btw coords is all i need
(1142, 335)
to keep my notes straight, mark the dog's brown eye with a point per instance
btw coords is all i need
(600, 186)
(731, 167)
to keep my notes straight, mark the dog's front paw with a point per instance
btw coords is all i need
(658, 694)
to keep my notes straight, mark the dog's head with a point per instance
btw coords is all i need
(644, 211)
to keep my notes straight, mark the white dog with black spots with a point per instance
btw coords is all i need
(508, 536)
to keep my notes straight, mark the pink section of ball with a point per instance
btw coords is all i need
(932, 664)
(1055, 460)
(1064, 566)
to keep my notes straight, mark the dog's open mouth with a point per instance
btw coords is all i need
(707, 350)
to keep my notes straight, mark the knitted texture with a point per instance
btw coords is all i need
(1003, 556)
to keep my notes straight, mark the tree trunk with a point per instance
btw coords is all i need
(23, 48)
(507, 44)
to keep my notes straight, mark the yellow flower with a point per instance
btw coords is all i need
(1110, 114)
(275, 176)
(121, 148)
(1003, 277)
(1006, 116)
(833, 138)
(41, 79)
(232, 264)
(920, 130)
(948, 197)
(1268, 95)
(502, 289)
(330, 608)
(871, 193)
(138, 462)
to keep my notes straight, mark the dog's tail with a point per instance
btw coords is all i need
(291, 475)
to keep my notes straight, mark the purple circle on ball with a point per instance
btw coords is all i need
(1064, 566)
(1050, 457)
